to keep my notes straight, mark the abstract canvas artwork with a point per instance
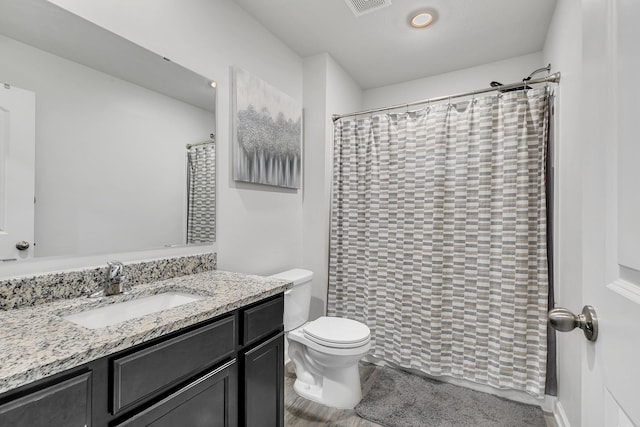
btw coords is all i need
(267, 133)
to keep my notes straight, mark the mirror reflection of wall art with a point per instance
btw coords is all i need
(267, 133)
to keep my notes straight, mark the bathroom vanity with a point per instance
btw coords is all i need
(217, 361)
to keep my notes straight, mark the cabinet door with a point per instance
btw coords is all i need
(209, 401)
(64, 404)
(264, 384)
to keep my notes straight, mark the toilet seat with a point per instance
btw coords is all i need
(337, 332)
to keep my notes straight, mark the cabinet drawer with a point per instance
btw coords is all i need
(144, 373)
(208, 401)
(66, 403)
(261, 320)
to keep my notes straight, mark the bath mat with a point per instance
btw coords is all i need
(399, 399)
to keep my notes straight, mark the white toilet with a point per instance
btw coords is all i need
(326, 351)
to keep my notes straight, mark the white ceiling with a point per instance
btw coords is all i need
(380, 48)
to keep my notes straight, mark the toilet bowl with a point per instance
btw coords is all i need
(326, 368)
(325, 352)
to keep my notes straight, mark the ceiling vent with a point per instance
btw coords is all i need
(360, 7)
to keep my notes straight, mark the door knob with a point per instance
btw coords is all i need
(563, 320)
(22, 246)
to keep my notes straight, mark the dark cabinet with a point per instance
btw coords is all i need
(219, 373)
(144, 372)
(65, 403)
(209, 401)
(262, 320)
(263, 388)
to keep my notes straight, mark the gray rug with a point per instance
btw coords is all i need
(399, 399)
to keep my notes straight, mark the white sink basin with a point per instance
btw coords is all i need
(115, 313)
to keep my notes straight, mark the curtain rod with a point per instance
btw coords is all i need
(552, 78)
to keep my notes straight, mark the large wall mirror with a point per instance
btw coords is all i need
(124, 138)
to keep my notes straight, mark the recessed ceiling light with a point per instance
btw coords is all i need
(421, 19)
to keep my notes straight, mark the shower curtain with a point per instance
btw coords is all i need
(201, 194)
(438, 237)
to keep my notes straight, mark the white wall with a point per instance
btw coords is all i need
(507, 71)
(259, 228)
(328, 89)
(563, 49)
(110, 156)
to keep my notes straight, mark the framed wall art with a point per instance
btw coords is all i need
(267, 133)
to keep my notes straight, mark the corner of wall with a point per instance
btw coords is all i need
(328, 89)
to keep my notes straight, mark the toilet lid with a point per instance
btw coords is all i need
(337, 332)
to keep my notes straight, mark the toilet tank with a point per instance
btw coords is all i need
(297, 299)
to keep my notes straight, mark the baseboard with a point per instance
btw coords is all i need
(560, 416)
(549, 403)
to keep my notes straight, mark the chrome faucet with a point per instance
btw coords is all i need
(115, 279)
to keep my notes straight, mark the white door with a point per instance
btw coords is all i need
(17, 177)
(611, 211)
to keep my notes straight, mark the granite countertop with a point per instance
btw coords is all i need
(36, 342)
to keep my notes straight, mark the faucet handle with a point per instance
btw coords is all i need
(115, 270)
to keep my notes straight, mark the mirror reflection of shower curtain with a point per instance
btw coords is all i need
(201, 195)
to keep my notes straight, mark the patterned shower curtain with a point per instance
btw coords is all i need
(438, 237)
(201, 194)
